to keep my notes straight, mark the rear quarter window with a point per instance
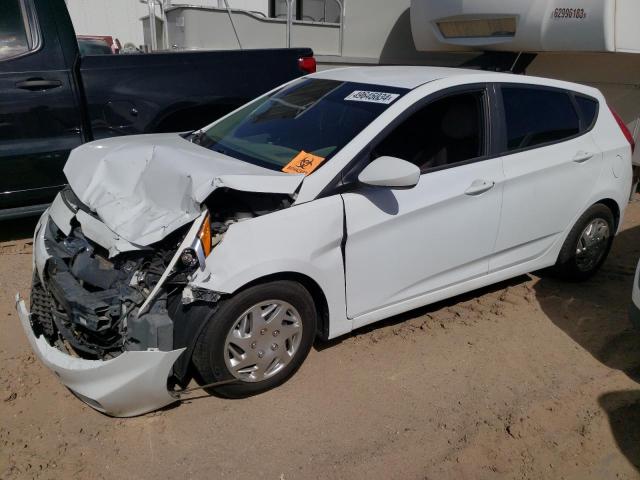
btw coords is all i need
(537, 116)
(588, 109)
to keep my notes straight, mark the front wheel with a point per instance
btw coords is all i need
(587, 245)
(260, 337)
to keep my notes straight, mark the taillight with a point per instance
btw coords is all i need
(625, 130)
(307, 64)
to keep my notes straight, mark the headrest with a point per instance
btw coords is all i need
(460, 121)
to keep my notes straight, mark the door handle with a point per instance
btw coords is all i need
(479, 186)
(37, 84)
(582, 157)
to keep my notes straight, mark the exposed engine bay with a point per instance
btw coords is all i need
(88, 303)
(228, 206)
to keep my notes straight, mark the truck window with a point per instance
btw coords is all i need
(14, 38)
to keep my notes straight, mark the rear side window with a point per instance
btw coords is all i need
(537, 116)
(588, 109)
(15, 34)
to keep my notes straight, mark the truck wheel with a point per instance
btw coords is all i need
(260, 337)
(587, 245)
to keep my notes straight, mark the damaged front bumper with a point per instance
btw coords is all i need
(131, 384)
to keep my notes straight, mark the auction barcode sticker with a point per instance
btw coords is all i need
(372, 97)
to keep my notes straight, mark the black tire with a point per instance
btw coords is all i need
(568, 266)
(209, 352)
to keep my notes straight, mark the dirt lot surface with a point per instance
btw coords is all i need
(532, 378)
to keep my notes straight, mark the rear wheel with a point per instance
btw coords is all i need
(587, 245)
(260, 337)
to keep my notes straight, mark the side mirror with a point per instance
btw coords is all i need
(390, 172)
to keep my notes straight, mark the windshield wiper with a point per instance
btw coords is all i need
(289, 104)
(196, 137)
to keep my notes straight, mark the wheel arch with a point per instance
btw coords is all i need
(612, 205)
(191, 327)
(314, 289)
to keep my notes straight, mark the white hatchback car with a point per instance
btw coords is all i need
(332, 202)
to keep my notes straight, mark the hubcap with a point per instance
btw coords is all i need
(263, 340)
(592, 244)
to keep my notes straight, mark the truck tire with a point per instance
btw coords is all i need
(587, 245)
(259, 337)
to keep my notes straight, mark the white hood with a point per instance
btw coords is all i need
(146, 186)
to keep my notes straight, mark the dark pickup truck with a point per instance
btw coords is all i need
(52, 99)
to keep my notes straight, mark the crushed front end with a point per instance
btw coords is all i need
(91, 303)
(100, 320)
(123, 279)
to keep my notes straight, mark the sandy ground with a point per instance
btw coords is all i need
(532, 378)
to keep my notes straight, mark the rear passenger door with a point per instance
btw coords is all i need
(550, 163)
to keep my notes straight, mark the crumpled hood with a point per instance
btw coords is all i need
(146, 186)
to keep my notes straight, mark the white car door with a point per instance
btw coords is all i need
(404, 244)
(551, 165)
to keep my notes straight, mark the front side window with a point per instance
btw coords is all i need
(312, 117)
(445, 132)
(14, 38)
(536, 116)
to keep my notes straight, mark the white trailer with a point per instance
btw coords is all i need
(596, 42)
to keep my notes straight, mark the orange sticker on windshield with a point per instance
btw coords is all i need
(303, 163)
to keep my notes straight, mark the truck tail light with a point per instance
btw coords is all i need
(307, 64)
(625, 130)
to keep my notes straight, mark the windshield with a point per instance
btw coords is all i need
(300, 126)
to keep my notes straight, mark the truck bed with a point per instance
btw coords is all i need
(163, 92)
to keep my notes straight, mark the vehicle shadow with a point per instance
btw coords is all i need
(595, 315)
(623, 409)
(17, 229)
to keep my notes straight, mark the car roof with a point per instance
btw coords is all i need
(396, 76)
(411, 77)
